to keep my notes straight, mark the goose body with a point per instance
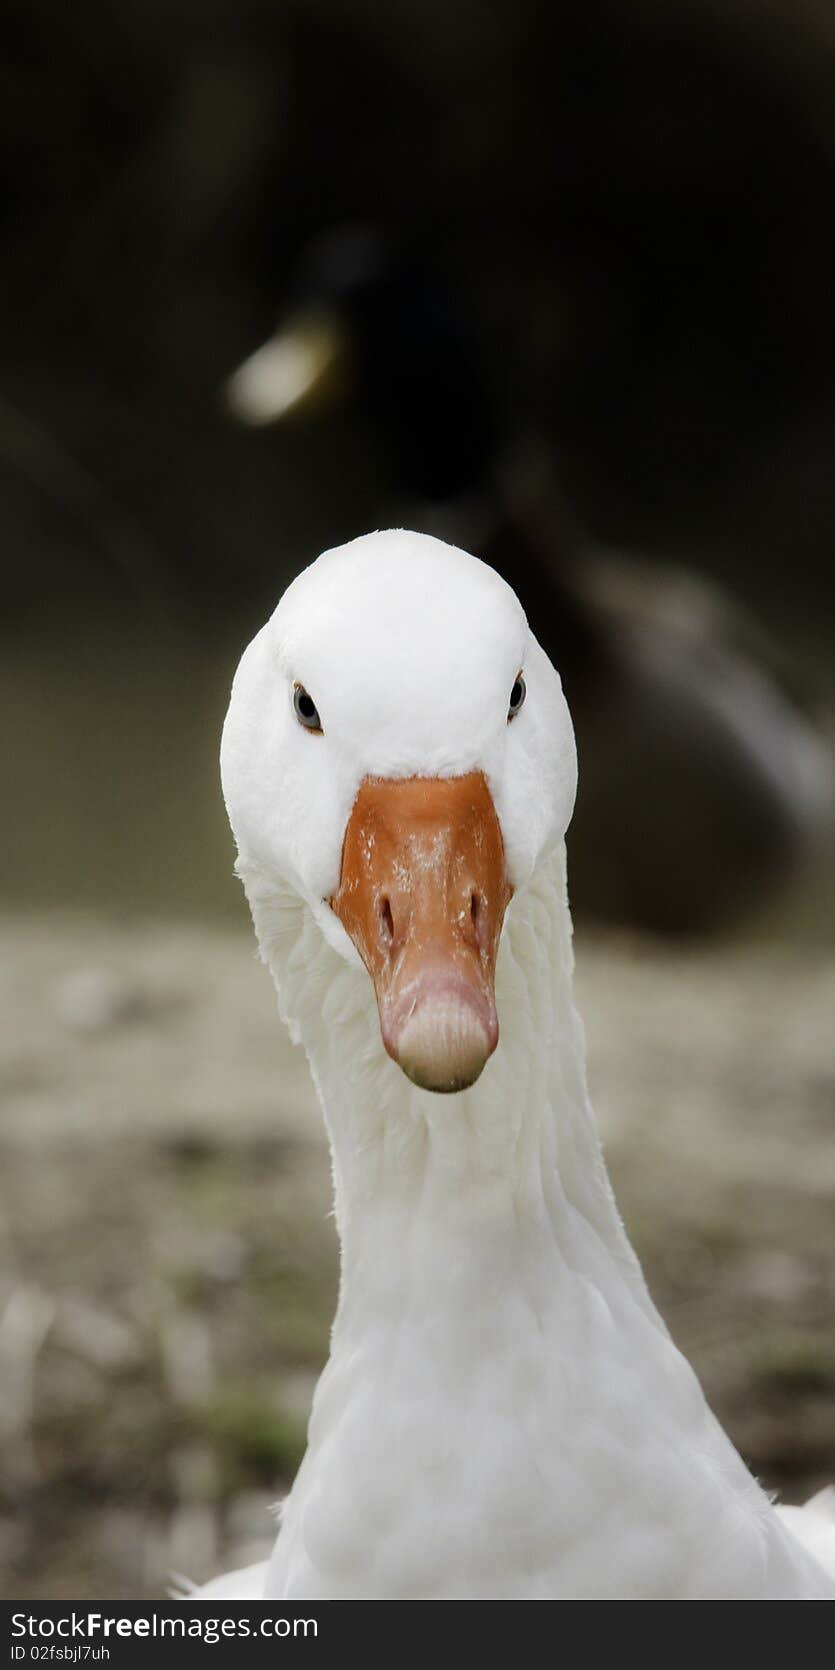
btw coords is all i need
(503, 1414)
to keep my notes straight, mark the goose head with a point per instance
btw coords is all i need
(398, 752)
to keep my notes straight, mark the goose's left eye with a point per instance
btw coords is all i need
(307, 712)
(517, 697)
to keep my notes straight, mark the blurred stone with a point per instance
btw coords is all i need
(194, 1473)
(773, 1274)
(24, 1325)
(12, 1539)
(224, 1256)
(122, 1540)
(193, 1542)
(95, 999)
(103, 1339)
(187, 1358)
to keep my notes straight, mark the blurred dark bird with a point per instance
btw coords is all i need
(370, 320)
(704, 786)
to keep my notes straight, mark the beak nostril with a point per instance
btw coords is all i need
(477, 920)
(386, 920)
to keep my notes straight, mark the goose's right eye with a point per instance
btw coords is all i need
(307, 712)
(517, 697)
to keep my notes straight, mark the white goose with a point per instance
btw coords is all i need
(503, 1414)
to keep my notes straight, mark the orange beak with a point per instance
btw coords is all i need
(422, 893)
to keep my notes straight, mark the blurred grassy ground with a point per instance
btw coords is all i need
(169, 1265)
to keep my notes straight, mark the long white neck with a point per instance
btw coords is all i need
(500, 1389)
(517, 1153)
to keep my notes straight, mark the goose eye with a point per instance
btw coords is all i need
(307, 712)
(517, 697)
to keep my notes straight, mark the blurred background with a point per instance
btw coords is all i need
(555, 283)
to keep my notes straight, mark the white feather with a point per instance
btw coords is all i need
(503, 1414)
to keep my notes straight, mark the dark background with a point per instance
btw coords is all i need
(638, 198)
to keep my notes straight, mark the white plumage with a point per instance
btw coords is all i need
(503, 1414)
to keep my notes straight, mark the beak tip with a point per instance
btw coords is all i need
(444, 1044)
(444, 1086)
